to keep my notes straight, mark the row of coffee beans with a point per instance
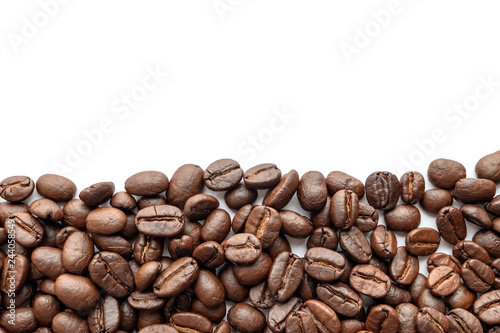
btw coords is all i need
(162, 256)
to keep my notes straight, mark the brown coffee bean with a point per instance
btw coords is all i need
(113, 243)
(477, 276)
(463, 321)
(69, 322)
(285, 275)
(351, 326)
(46, 209)
(367, 218)
(323, 237)
(186, 181)
(476, 215)
(45, 308)
(312, 191)
(209, 254)
(417, 286)
(245, 318)
(407, 314)
(223, 327)
(488, 167)
(23, 322)
(465, 250)
(176, 278)
(395, 296)
(428, 299)
(235, 292)
(240, 196)
(241, 217)
(48, 261)
(370, 281)
(262, 176)
(435, 199)
(111, 272)
(28, 230)
(145, 301)
(255, 273)
(495, 266)
(422, 241)
(442, 259)
(294, 224)
(265, 223)
(471, 190)
(402, 218)
(279, 312)
(338, 180)
(242, 248)
(16, 188)
(443, 281)
(158, 328)
(75, 213)
(404, 267)
(7, 209)
(14, 273)
(300, 321)
(382, 318)
(307, 287)
(490, 241)
(97, 194)
(160, 221)
(341, 298)
(77, 252)
(382, 190)
(106, 220)
(146, 183)
(55, 187)
(123, 200)
(487, 307)
(215, 315)
(412, 187)
(432, 321)
(451, 224)
(444, 173)
(323, 316)
(151, 200)
(280, 195)
(106, 316)
(355, 245)
(191, 322)
(208, 289)
(146, 275)
(344, 209)
(261, 297)
(222, 175)
(384, 242)
(324, 264)
(280, 244)
(492, 207)
(76, 292)
(199, 206)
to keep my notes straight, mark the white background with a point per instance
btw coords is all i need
(390, 104)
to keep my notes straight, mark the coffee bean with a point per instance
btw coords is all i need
(242, 249)
(300, 321)
(7, 209)
(209, 254)
(245, 318)
(417, 286)
(407, 314)
(442, 259)
(106, 220)
(402, 218)
(324, 264)
(186, 181)
(323, 237)
(341, 298)
(422, 241)
(492, 207)
(77, 252)
(106, 316)
(344, 209)
(160, 221)
(222, 175)
(430, 320)
(191, 322)
(412, 187)
(48, 261)
(382, 318)
(265, 223)
(149, 317)
(451, 224)
(145, 301)
(208, 289)
(16, 188)
(463, 321)
(312, 191)
(384, 242)
(285, 275)
(488, 167)
(443, 281)
(307, 287)
(111, 272)
(146, 183)
(76, 292)
(351, 326)
(255, 273)
(379, 263)
(382, 190)
(55, 187)
(28, 230)
(123, 200)
(395, 296)
(323, 316)
(223, 327)
(176, 278)
(355, 245)
(370, 281)
(487, 307)
(428, 299)
(69, 322)
(476, 215)
(471, 190)
(280, 195)
(444, 173)
(199, 206)
(280, 244)
(294, 224)
(158, 328)
(75, 213)
(235, 292)
(435, 199)
(465, 250)
(113, 243)
(177, 304)
(338, 180)
(46, 209)
(240, 196)
(404, 267)
(262, 176)
(477, 276)
(261, 297)
(279, 313)
(151, 200)
(241, 217)
(23, 322)
(215, 315)
(97, 194)
(367, 218)
(490, 241)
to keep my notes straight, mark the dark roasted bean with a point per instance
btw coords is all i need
(382, 190)
(444, 173)
(262, 176)
(451, 224)
(222, 175)
(412, 187)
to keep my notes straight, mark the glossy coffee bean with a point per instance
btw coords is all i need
(295, 225)
(191, 322)
(281, 194)
(428, 299)
(111, 272)
(113, 243)
(55, 187)
(235, 291)
(245, 318)
(407, 314)
(463, 321)
(312, 191)
(382, 318)
(48, 261)
(28, 230)
(280, 244)
(242, 248)
(404, 267)
(487, 307)
(261, 297)
(97, 194)
(300, 321)
(382, 190)
(442, 259)
(76, 292)
(490, 241)
(240, 196)
(351, 326)
(106, 316)
(145, 300)
(77, 252)
(338, 180)
(254, 273)
(477, 276)
(23, 322)
(151, 200)
(146, 183)
(395, 296)
(323, 237)
(75, 214)
(465, 250)
(15, 272)
(435, 199)
(370, 281)
(285, 275)
(186, 181)
(323, 316)
(222, 175)
(471, 190)
(16, 188)
(412, 187)
(367, 218)
(158, 328)
(444, 173)
(265, 223)
(215, 314)
(476, 215)
(160, 221)
(462, 298)
(432, 321)
(123, 200)
(323, 264)
(341, 298)
(403, 218)
(492, 207)
(7, 209)
(262, 176)
(106, 220)
(208, 289)
(199, 206)
(451, 224)
(209, 255)
(384, 242)
(422, 241)
(46, 209)
(223, 327)
(176, 278)
(355, 245)
(279, 312)
(443, 281)
(69, 322)
(488, 167)
(344, 209)
(146, 275)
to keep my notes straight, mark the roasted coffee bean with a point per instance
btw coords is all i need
(14, 273)
(193, 230)
(46, 209)
(476, 215)
(190, 322)
(77, 252)
(493, 207)
(324, 264)
(407, 314)
(97, 194)
(160, 221)
(463, 321)
(442, 259)
(215, 315)
(443, 281)
(106, 316)
(28, 230)
(451, 224)
(370, 281)
(208, 289)
(280, 195)
(123, 200)
(245, 318)
(402, 218)
(404, 267)
(432, 321)
(176, 278)
(384, 242)
(487, 307)
(222, 175)
(209, 254)
(465, 250)
(477, 276)
(235, 291)
(265, 223)
(158, 328)
(261, 297)
(65, 322)
(379, 263)
(151, 200)
(412, 187)
(106, 220)
(495, 266)
(382, 318)
(417, 286)
(355, 245)
(344, 209)
(47, 286)
(279, 312)
(444, 173)
(55, 187)
(321, 218)
(179, 303)
(113, 243)
(16, 188)
(48, 261)
(395, 296)
(323, 237)
(323, 316)
(490, 241)
(338, 180)
(7, 209)
(294, 224)
(471, 190)
(75, 214)
(280, 244)
(300, 321)
(111, 272)
(307, 287)
(241, 217)
(145, 301)
(240, 196)
(217, 226)
(312, 191)
(199, 206)
(146, 183)
(223, 327)
(76, 292)
(367, 218)
(45, 308)
(285, 275)
(23, 322)
(242, 249)
(488, 167)
(435, 199)
(186, 181)
(147, 318)
(146, 275)
(351, 326)
(255, 273)
(422, 241)
(382, 190)
(24, 295)
(341, 298)
(262, 176)
(428, 299)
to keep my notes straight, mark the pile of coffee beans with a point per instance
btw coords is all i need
(162, 256)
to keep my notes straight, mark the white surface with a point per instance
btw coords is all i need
(231, 72)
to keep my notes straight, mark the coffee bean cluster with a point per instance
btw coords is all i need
(162, 256)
